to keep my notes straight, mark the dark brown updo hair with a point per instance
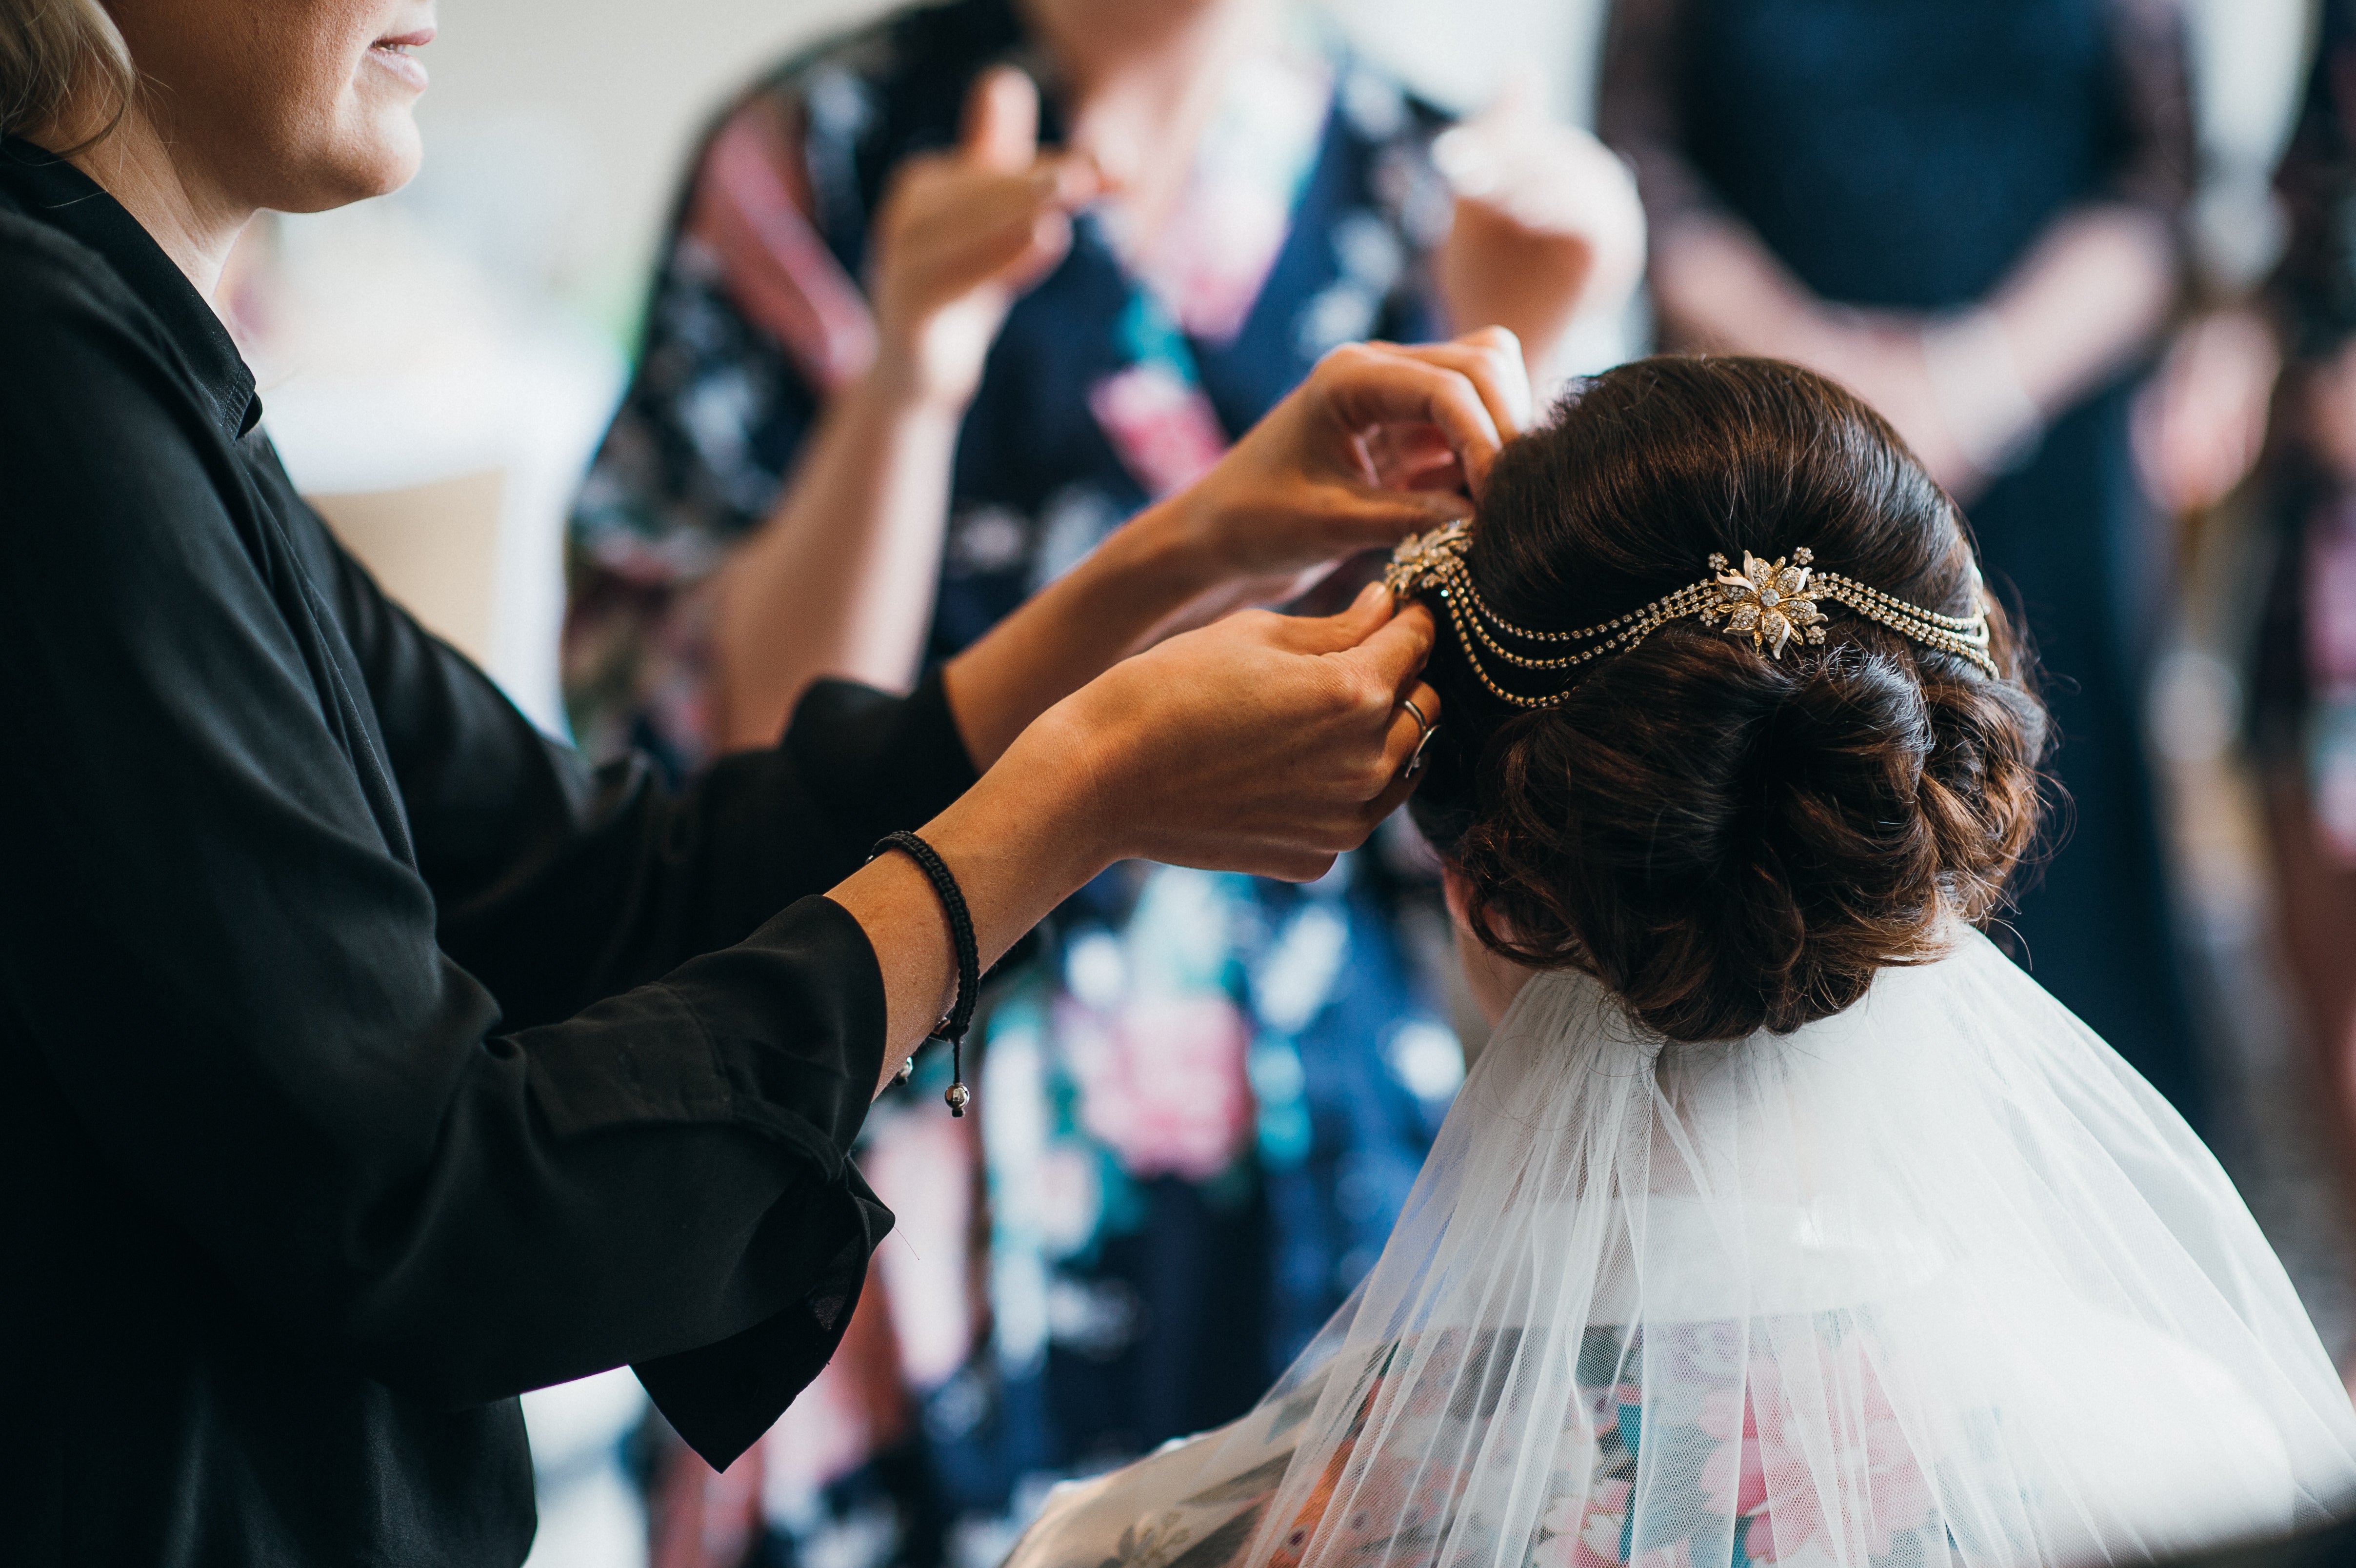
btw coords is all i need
(1727, 841)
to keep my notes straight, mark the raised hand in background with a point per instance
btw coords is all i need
(1547, 227)
(958, 236)
(962, 233)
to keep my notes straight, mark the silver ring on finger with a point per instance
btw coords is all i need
(1415, 760)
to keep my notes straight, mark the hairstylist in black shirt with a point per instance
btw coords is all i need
(368, 1059)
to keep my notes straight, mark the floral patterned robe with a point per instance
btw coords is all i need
(1202, 1104)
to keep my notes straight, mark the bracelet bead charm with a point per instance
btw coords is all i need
(954, 1023)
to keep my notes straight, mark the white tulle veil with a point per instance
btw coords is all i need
(1937, 1280)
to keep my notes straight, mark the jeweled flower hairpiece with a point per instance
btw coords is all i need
(1771, 602)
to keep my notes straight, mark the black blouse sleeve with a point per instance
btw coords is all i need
(399, 1014)
(556, 885)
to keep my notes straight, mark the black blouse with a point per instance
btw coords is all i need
(368, 1058)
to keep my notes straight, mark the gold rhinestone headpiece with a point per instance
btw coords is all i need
(1771, 602)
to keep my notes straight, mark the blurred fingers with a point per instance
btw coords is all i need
(1059, 185)
(1471, 157)
(1004, 223)
(1050, 241)
(1001, 121)
(1071, 180)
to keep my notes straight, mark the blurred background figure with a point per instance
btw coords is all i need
(1969, 214)
(945, 299)
(2304, 691)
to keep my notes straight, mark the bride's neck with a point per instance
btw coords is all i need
(1494, 980)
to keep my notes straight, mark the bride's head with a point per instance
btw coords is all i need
(1729, 838)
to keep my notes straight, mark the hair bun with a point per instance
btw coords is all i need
(1829, 865)
(1730, 841)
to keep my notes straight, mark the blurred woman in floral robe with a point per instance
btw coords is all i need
(902, 368)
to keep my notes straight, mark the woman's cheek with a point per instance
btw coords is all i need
(331, 125)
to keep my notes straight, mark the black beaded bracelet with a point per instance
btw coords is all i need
(959, 1018)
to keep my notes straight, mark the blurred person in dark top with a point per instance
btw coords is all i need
(2304, 697)
(1966, 211)
(1049, 259)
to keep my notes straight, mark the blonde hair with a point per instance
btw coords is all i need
(50, 51)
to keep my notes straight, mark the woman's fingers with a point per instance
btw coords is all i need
(1387, 782)
(1378, 443)
(1417, 722)
(1049, 241)
(1265, 743)
(1370, 385)
(1000, 228)
(1448, 447)
(1337, 634)
(1490, 358)
(1001, 121)
(1395, 651)
(970, 211)
(1412, 457)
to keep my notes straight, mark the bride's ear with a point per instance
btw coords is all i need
(1458, 893)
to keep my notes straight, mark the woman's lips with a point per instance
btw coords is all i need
(393, 55)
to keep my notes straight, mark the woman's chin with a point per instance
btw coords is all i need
(398, 154)
(376, 161)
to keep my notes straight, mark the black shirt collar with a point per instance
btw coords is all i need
(46, 187)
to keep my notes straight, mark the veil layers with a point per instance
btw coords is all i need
(1938, 1280)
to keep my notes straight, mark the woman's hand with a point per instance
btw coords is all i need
(1381, 441)
(1378, 442)
(962, 234)
(1547, 226)
(2201, 422)
(1970, 392)
(1885, 358)
(1265, 743)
